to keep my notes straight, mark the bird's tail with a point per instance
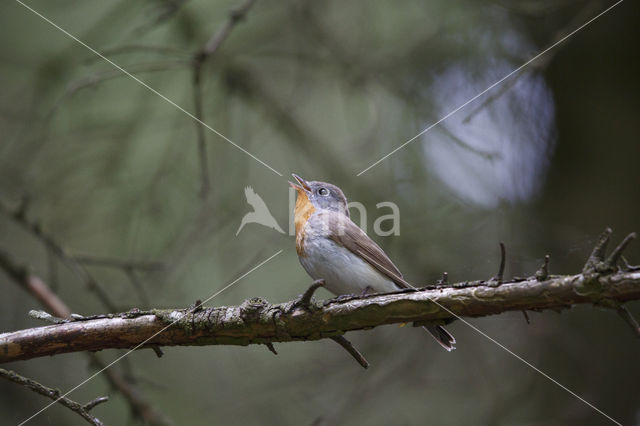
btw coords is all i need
(442, 336)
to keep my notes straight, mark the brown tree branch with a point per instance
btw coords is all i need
(138, 403)
(82, 410)
(602, 282)
(258, 322)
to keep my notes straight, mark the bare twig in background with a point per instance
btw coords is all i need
(128, 267)
(34, 286)
(539, 65)
(125, 264)
(244, 82)
(76, 263)
(101, 77)
(369, 73)
(258, 322)
(199, 59)
(488, 155)
(51, 244)
(140, 406)
(135, 48)
(167, 10)
(81, 410)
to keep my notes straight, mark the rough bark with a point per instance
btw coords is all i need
(258, 322)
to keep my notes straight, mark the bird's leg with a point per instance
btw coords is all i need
(304, 300)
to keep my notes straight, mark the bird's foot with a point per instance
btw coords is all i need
(304, 300)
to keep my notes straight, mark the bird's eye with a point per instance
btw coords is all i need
(323, 191)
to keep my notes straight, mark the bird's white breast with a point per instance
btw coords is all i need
(343, 271)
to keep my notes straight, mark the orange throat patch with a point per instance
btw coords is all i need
(304, 209)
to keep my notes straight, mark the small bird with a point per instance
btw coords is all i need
(333, 248)
(260, 213)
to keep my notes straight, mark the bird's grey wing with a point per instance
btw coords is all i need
(349, 235)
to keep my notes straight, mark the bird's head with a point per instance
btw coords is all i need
(323, 196)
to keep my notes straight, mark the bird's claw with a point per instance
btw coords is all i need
(304, 300)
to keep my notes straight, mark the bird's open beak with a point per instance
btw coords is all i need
(304, 186)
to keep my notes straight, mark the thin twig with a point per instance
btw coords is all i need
(271, 348)
(487, 155)
(543, 273)
(497, 94)
(626, 315)
(134, 48)
(597, 254)
(140, 406)
(140, 265)
(539, 65)
(51, 244)
(613, 258)
(235, 16)
(129, 267)
(169, 9)
(136, 400)
(628, 267)
(91, 404)
(201, 136)
(101, 77)
(497, 279)
(352, 350)
(34, 286)
(199, 59)
(46, 316)
(82, 410)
